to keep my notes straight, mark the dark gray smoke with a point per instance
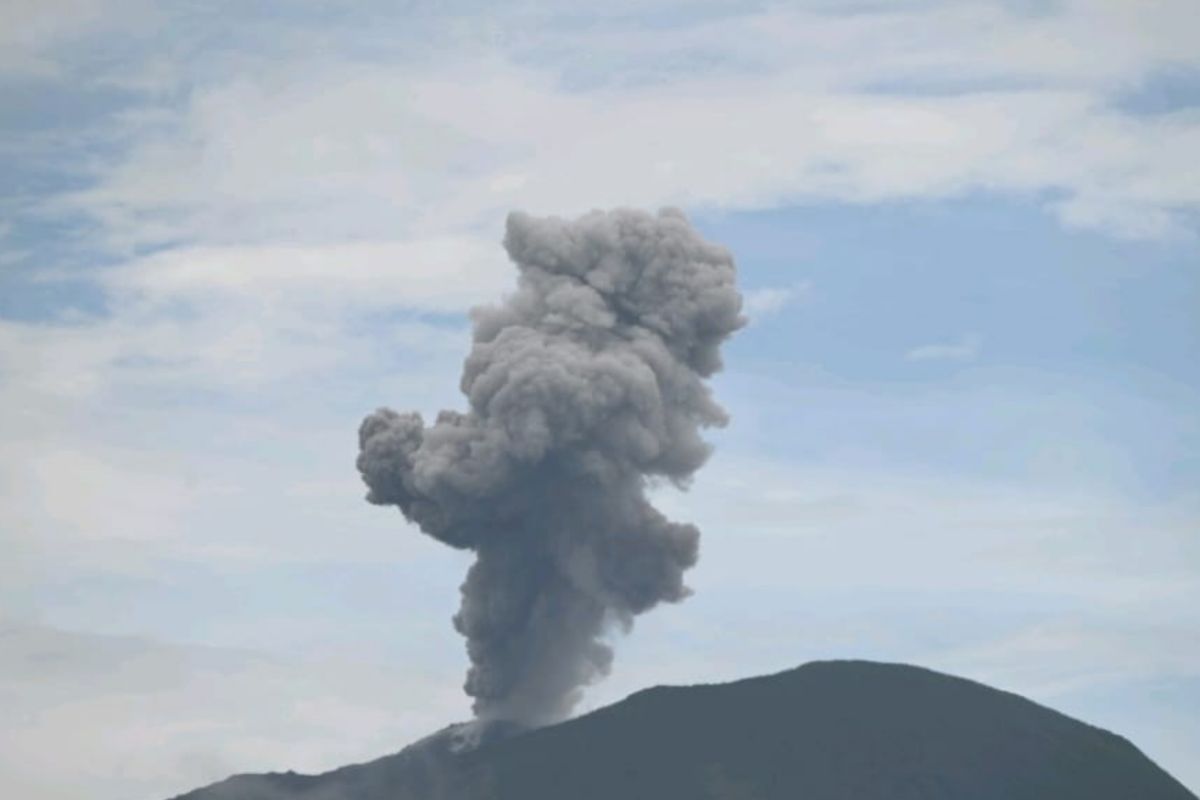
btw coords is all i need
(584, 386)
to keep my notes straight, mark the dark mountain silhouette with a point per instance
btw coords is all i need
(825, 731)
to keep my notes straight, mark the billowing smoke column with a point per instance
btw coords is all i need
(584, 386)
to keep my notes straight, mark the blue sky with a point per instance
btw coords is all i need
(965, 412)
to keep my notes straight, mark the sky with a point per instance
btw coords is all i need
(965, 418)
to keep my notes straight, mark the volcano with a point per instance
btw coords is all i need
(832, 730)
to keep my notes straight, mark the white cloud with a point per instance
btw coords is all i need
(223, 384)
(965, 349)
(107, 717)
(771, 112)
(456, 153)
(447, 274)
(77, 493)
(34, 30)
(245, 317)
(763, 303)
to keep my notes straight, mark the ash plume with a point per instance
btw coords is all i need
(583, 387)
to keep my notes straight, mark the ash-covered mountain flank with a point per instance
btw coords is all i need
(825, 731)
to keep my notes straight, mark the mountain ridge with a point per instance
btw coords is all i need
(823, 730)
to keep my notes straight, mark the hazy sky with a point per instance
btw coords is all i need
(966, 411)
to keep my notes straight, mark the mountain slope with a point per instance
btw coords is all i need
(824, 731)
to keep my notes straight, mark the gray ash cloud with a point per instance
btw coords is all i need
(583, 387)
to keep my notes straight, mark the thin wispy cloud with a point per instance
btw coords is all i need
(760, 304)
(965, 349)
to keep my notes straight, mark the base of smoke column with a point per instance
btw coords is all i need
(463, 737)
